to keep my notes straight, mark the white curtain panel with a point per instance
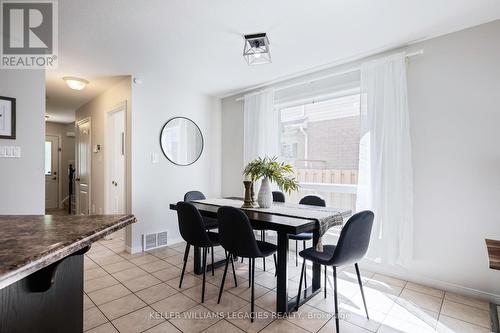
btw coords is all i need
(261, 126)
(385, 181)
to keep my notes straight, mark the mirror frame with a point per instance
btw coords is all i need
(201, 134)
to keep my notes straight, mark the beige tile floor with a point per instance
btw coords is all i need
(139, 293)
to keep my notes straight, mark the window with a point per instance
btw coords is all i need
(321, 140)
(48, 158)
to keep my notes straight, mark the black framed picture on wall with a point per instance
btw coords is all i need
(7, 117)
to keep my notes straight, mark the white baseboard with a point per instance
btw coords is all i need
(175, 241)
(133, 250)
(434, 283)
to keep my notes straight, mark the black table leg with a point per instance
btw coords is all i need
(198, 269)
(316, 269)
(311, 291)
(282, 274)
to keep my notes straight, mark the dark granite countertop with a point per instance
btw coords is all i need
(31, 242)
(493, 253)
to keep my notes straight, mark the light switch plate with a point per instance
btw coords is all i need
(10, 152)
(154, 157)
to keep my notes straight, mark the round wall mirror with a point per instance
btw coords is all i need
(181, 141)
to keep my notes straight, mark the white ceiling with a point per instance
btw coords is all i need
(61, 101)
(198, 43)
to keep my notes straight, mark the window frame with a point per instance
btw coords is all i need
(321, 187)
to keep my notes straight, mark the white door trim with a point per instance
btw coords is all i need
(122, 106)
(82, 121)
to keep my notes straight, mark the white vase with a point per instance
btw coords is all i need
(265, 197)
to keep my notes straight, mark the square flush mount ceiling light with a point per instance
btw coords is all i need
(256, 51)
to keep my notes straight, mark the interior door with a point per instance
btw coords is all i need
(83, 167)
(51, 171)
(116, 162)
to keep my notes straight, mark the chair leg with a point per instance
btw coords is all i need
(326, 278)
(223, 280)
(361, 287)
(186, 254)
(305, 272)
(252, 302)
(249, 272)
(234, 271)
(300, 284)
(275, 265)
(335, 298)
(205, 250)
(213, 269)
(296, 253)
(263, 237)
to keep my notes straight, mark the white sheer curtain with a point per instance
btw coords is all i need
(385, 182)
(261, 126)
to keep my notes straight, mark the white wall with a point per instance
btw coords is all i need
(454, 105)
(156, 185)
(232, 147)
(97, 109)
(22, 182)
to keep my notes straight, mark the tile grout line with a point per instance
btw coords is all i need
(461, 319)
(147, 305)
(236, 295)
(213, 283)
(109, 321)
(439, 313)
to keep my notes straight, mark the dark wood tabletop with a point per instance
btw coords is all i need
(290, 225)
(493, 253)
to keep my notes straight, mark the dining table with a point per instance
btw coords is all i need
(285, 219)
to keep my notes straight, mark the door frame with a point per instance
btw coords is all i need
(59, 163)
(77, 162)
(122, 106)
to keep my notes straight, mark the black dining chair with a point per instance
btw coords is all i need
(350, 249)
(278, 196)
(210, 222)
(193, 231)
(237, 238)
(311, 200)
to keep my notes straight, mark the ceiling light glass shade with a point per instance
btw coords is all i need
(75, 82)
(256, 51)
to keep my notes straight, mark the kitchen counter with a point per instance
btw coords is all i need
(41, 268)
(31, 242)
(493, 247)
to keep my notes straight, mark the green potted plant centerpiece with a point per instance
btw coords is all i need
(270, 170)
